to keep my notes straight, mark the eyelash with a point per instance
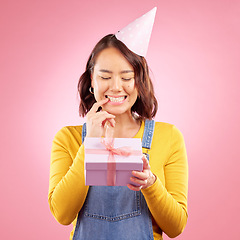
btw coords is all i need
(107, 78)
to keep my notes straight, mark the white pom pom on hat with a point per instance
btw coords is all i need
(136, 35)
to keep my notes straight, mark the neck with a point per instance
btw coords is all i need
(126, 126)
(124, 119)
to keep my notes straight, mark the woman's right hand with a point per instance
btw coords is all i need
(96, 120)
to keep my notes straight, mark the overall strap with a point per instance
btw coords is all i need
(84, 131)
(148, 135)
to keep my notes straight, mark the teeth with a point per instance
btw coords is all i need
(114, 99)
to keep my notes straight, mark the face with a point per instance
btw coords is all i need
(113, 78)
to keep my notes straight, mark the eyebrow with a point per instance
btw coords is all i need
(107, 71)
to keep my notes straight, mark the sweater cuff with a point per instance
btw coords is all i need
(154, 190)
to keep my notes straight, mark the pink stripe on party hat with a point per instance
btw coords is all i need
(136, 35)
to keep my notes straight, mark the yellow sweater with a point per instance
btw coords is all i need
(166, 198)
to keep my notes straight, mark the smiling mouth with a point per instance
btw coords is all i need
(116, 99)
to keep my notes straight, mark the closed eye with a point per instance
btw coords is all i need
(105, 78)
(126, 79)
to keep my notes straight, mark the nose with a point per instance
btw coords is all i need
(116, 84)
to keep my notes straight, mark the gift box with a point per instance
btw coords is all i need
(110, 163)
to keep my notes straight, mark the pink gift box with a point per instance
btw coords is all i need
(104, 167)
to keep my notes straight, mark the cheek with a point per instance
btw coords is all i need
(99, 90)
(132, 91)
(99, 86)
(131, 87)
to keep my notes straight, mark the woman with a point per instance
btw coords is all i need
(116, 89)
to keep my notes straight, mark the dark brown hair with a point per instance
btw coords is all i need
(146, 104)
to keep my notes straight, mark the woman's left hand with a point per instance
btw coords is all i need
(145, 178)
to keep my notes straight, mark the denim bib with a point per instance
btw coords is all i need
(115, 212)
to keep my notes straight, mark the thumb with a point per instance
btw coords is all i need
(145, 162)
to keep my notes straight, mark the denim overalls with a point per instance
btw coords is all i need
(115, 212)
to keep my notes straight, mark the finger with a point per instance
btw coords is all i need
(140, 175)
(134, 188)
(100, 117)
(96, 123)
(109, 121)
(98, 104)
(112, 122)
(145, 162)
(138, 181)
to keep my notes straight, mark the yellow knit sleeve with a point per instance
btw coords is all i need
(67, 190)
(167, 201)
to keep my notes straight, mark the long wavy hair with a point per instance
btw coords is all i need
(146, 104)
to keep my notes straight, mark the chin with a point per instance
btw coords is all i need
(116, 110)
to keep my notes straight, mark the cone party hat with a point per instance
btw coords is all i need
(136, 35)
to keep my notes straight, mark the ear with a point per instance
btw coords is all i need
(92, 82)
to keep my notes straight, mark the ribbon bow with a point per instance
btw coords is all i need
(111, 166)
(109, 145)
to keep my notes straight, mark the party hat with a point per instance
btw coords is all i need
(136, 35)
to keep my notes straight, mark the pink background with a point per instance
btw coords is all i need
(194, 55)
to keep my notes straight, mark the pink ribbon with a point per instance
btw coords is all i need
(111, 164)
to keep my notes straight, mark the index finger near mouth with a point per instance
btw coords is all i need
(98, 104)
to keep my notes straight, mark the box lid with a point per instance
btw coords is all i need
(97, 157)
